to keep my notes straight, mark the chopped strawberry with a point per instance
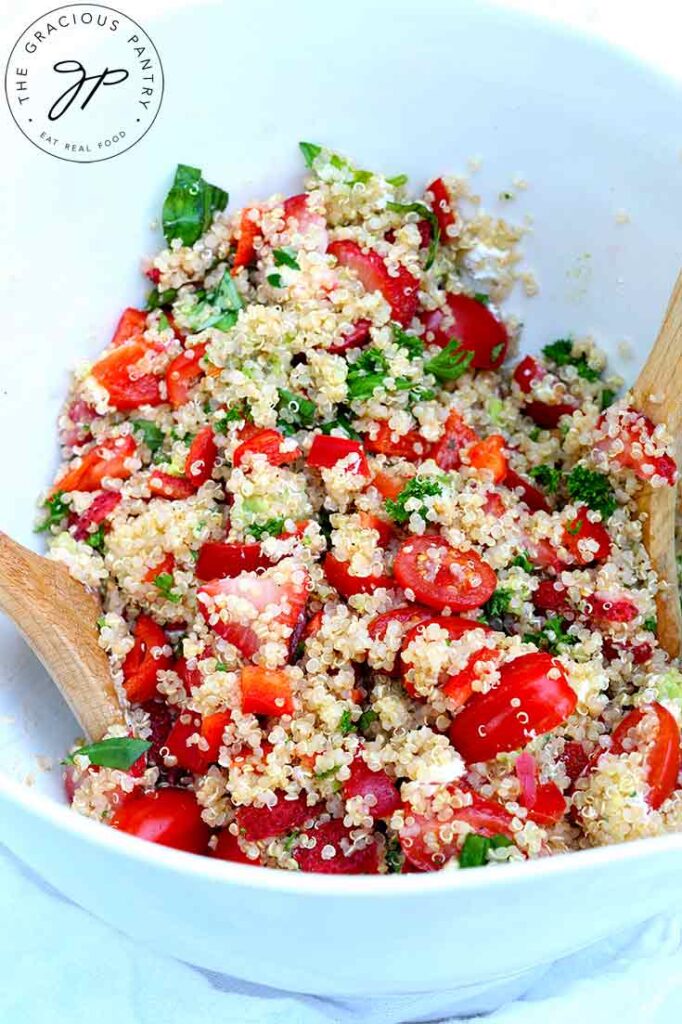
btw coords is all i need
(195, 742)
(190, 677)
(399, 289)
(551, 596)
(531, 495)
(201, 457)
(353, 338)
(228, 848)
(546, 414)
(96, 513)
(218, 558)
(300, 219)
(389, 486)
(167, 564)
(587, 541)
(605, 609)
(257, 823)
(340, 577)
(266, 691)
(384, 797)
(442, 205)
(326, 450)
(329, 855)
(634, 448)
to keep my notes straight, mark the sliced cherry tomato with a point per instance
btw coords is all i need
(547, 415)
(629, 448)
(491, 724)
(460, 686)
(603, 609)
(198, 756)
(132, 324)
(266, 691)
(114, 373)
(376, 784)
(268, 443)
(531, 495)
(488, 455)
(410, 446)
(256, 823)
(249, 230)
(201, 457)
(429, 841)
(458, 436)
(145, 660)
(183, 373)
(544, 801)
(228, 848)
(96, 513)
(327, 450)
(167, 564)
(175, 488)
(471, 323)
(457, 686)
(170, 817)
(218, 558)
(405, 617)
(442, 206)
(383, 527)
(580, 530)
(339, 576)
(354, 338)
(441, 577)
(389, 486)
(333, 836)
(528, 372)
(106, 460)
(662, 756)
(399, 290)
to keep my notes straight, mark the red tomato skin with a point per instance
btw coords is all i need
(455, 685)
(458, 436)
(383, 527)
(113, 373)
(400, 291)
(442, 206)
(479, 331)
(360, 862)
(389, 486)
(410, 446)
(488, 455)
(140, 667)
(546, 415)
(249, 230)
(191, 677)
(406, 616)
(489, 725)
(550, 596)
(101, 507)
(355, 338)
(201, 457)
(327, 450)
(265, 442)
(175, 488)
(339, 577)
(190, 755)
(183, 373)
(106, 459)
(256, 823)
(218, 559)
(532, 496)
(266, 691)
(580, 529)
(663, 759)
(167, 564)
(550, 805)
(365, 782)
(228, 848)
(132, 324)
(170, 817)
(637, 429)
(414, 563)
(486, 817)
(527, 372)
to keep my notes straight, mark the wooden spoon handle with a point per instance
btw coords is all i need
(657, 395)
(57, 617)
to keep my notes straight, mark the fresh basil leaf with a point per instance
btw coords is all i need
(218, 308)
(189, 206)
(285, 258)
(426, 213)
(397, 181)
(310, 151)
(275, 280)
(117, 752)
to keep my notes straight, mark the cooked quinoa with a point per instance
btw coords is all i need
(374, 596)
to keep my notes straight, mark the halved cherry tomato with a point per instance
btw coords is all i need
(457, 686)
(175, 488)
(228, 848)
(114, 373)
(266, 691)
(410, 446)
(218, 558)
(144, 661)
(334, 834)
(170, 817)
(353, 338)
(183, 373)
(383, 527)
(95, 514)
(544, 801)
(582, 529)
(545, 414)
(268, 443)
(107, 459)
(491, 724)
(132, 324)
(201, 457)
(364, 782)
(528, 372)
(405, 617)
(167, 564)
(428, 840)
(399, 290)
(662, 756)
(249, 230)
(458, 436)
(389, 486)
(440, 577)
(197, 757)
(471, 323)
(531, 495)
(628, 448)
(257, 823)
(327, 450)
(442, 206)
(488, 455)
(340, 577)
(460, 686)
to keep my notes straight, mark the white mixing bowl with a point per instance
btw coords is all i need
(414, 87)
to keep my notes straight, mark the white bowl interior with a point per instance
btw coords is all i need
(397, 86)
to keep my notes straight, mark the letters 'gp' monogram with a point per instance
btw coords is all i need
(72, 92)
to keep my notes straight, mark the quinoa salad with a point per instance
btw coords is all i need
(374, 591)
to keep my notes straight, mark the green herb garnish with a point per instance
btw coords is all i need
(606, 398)
(426, 213)
(117, 752)
(164, 583)
(548, 477)
(346, 724)
(450, 363)
(189, 206)
(286, 258)
(218, 308)
(157, 299)
(418, 487)
(366, 719)
(496, 606)
(289, 840)
(270, 528)
(57, 509)
(151, 435)
(366, 374)
(96, 540)
(395, 858)
(552, 636)
(397, 181)
(482, 298)
(275, 280)
(523, 561)
(340, 423)
(295, 410)
(593, 489)
(474, 853)
(413, 345)
(310, 151)
(561, 354)
(651, 624)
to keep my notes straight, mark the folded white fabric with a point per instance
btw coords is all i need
(62, 965)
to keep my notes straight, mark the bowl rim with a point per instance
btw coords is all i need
(210, 869)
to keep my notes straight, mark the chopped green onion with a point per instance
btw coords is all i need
(450, 363)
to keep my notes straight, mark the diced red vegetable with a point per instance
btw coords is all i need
(629, 448)
(115, 372)
(106, 459)
(266, 691)
(662, 755)
(354, 338)
(399, 290)
(389, 486)
(581, 529)
(374, 784)
(218, 558)
(458, 436)
(429, 841)
(327, 450)
(551, 596)
(368, 521)
(170, 817)
(531, 495)
(268, 443)
(191, 677)
(603, 609)
(249, 230)
(410, 446)
(175, 488)
(228, 848)
(257, 823)
(145, 660)
(443, 207)
(95, 514)
(167, 564)
(339, 576)
(333, 835)
(183, 373)
(528, 372)
(132, 324)
(439, 576)
(197, 757)
(488, 455)
(201, 457)
(471, 323)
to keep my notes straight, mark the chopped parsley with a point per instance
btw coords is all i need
(534, 434)
(157, 299)
(474, 853)
(310, 151)
(219, 308)
(189, 206)
(482, 298)
(366, 719)
(606, 398)
(295, 411)
(151, 434)
(116, 752)
(552, 636)
(523, 561)
(426, 213)
(164, 582)
(651, 624)
(450, 363)
(57, 509)
(235, 414)
(548, 477)
(328, 773)
(496, 606)
(101, 622)
(561, 354)
(275, 280)
(593, 489)
(96, 540)
(346, 724)
(395, 858)
(418, 487)
(270, 528)
(289, 840)
(340, 423)
(413, 345)
(286, 258)
(397, 181)
(366, 374)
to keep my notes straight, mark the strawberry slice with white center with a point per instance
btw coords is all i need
(245, 609)
(399, 289)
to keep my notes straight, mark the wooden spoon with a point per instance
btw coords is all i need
(658, 394)
(58, 618)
